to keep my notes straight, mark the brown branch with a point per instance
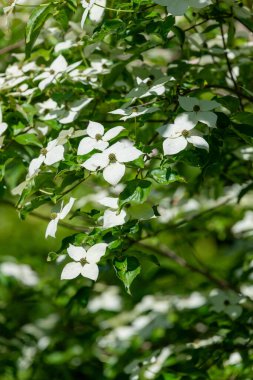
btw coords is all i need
(7, 49)
(230, 70)
(47, 218)
(183, 263)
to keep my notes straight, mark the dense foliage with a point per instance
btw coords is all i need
(126, 132)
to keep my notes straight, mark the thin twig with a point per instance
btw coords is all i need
(7, 49)
(46, 218)
(230, 69)
(183, 263)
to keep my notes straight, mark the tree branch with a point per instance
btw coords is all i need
(47, 218)
(183, 263)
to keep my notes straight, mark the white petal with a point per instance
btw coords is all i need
(198, 3)
(113, 132)
(128, 154)
(66, 209)
(98, 160)
(80, 104)
(177, 7)
(54, 155)
(69, 117)
(184, 122)
(76, 253)
(173, 146)
(113, 218)
(71, 270)
(96, 12)
(109, 202)
(35, 164)
(114, 172)
(3, 127)
(84, 16)
(52, 227)
(86, 145)
(59, 64)
(208, 118)
(43, 84)
(187, 103)
(95, 253)
(198, 141)
(90, 271)
(94, 129)
(208, 105)
(101, 145)
(168, 130)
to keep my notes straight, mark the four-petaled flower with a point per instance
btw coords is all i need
(97, 138)
(96, 9)
(112, 160)
(58, 213)
(85, 262)
(200, 110)
(179, 134)
(57, 68)
(50, 155)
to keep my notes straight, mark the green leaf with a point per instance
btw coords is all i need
(136, 191)
(243, 118)
(28, 139)
(127, 269)
(36, 21)
(165, 176)
(179, 33)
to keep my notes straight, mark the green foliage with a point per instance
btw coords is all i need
(126, 135)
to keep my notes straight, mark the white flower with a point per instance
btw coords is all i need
(57, 68)
(97, 139)
(3, 126)
(129, 113)
(65, 114)
(245, 225)
(178, 135)
(179, 7)
(57, 215)
(21, 272)
(200, 110)
(114, 217)
(50, 155)
(227, 302)
(112, 160)
(96, 11)
(147, 87)
(85, 262)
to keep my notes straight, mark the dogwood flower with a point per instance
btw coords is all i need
(85, 262)
(3, 126)
(227, 302)
(112, 160)
(114, 217)
(50, 155)
(58, 213)
(129, 113)
(95, 11)
(179, 134)
(65, 114)
(200, 110)
(147, 87)
(55, 71)
(97, 138)
(179, 7)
